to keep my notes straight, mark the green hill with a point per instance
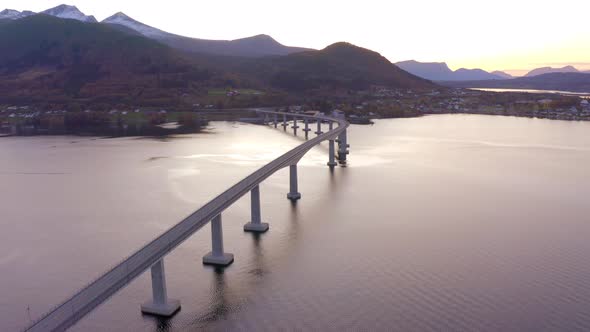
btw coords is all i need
(339, 66)
(49, 58)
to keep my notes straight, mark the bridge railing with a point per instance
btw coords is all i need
(89, 297)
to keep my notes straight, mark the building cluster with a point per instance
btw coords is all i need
(578, 112)
(406, 102)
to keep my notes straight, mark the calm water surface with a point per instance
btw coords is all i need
(585, 95)
(450, 222)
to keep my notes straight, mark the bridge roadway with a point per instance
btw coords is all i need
(151, 256)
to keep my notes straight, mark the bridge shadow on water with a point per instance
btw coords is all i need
(219, 308)
(223, 300)
(163, 324)
(259, 268)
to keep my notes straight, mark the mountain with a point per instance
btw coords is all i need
(256, 46)
(473, 74)
(11, 14)
(144, 29)
(435, 71)
(61, 11)
(338, 66)
(69, 12)
(440, 71)
(574, 82)
(502, 74)
(51, 60)
(548, 70)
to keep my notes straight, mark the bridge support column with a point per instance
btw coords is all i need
(342, 147)
(306, 129)
(295, 126)
(256, 225)
(275, 121)
(319, 130)
(217, 256)
(285, 125)
(331, 158)
(293, 194)
(331, 150)
(160, 305)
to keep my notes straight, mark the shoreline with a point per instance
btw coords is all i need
(174, 133)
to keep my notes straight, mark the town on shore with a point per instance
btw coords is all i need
(360, 108)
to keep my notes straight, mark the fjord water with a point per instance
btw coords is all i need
(447, 222)
(566, 93)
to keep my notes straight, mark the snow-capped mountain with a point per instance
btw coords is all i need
(11, 14)
(71, 12)
(146, 30)
(61, 11)
(261, 45)
(256, 46)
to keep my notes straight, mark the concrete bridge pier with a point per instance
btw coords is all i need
(256, 225)
(342, 147)
(217, 256)
(285, 125)
(331, 150)
(293, 194)
(160, 304)
(275, 121)
(319, 130)
(331, 154)
(295, 126)
(306, 129)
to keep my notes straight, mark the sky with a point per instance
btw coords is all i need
(509, 35)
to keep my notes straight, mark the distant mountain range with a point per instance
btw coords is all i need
(62, 54)
(440, 71)
(574, 82)
(256, 46)
(549, 70)
(47, 59)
